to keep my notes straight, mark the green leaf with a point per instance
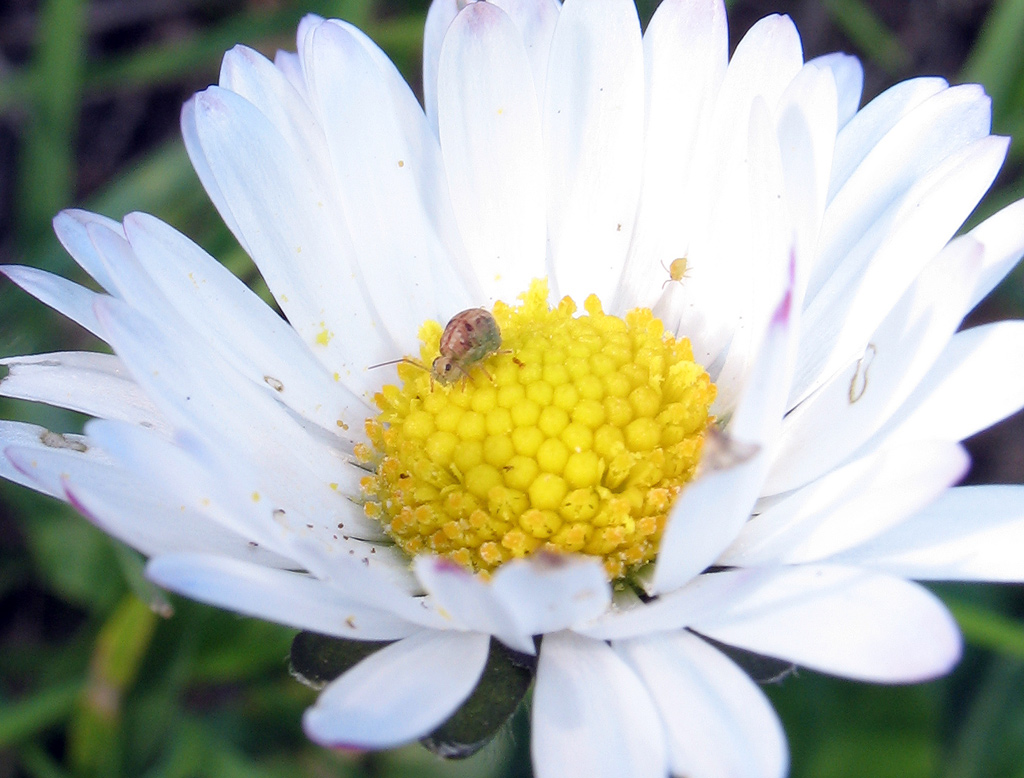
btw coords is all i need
(76, 559)
(846, 729)
(997, 59)
(505, 681)
(990, 741)
(241, 649)
(95, 735)
(26, 718)
(987, 629)
(39, 764)
(896, 754)
(869, 33)
(133, 566)
(48, 161)
(316, 660)
(186, 754)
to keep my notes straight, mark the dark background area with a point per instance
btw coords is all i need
(94, 681)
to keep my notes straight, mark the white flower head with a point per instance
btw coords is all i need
(619, 219)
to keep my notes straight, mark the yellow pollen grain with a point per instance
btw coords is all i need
(578, 438)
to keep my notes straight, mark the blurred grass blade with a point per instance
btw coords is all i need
(170, 61)
(39, 764)
(988, 742)
(262, 30)
(186, 756)
(869, 34)
(75, 559)
(987, 629)
(120, 648)
(159, 184)
(133, 566)
(997, 60)
(21, 720)
(165, 178)
(47, 163)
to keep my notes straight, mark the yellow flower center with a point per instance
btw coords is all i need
(575, 436)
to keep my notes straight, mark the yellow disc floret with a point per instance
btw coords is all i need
(575, 436)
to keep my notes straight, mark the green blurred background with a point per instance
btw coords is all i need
(98, 678)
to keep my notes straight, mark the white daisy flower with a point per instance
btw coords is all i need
(574, 486)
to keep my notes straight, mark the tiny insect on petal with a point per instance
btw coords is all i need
(677, 270)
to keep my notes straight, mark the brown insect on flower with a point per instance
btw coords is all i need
(468, 339)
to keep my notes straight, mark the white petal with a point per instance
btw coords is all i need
(541, 594)
(591, 714)
(928, 140)
(469, 602)
(807, 131)
(704, 521)
(535, 20)
(492, 146)
(139, 513)
(373, 577)
(440, 14)
(764, 63)
(19, 436)
(852, 623)
(712, 509)
(307, 24)
(772, 235)
(288, 63)
(243, 329)
(547, 593)
(83, 381)
(71, 226)
(825, 429)
(231, 495)
(292, 231)
(849, 505)
(717, 293)
(593, 118)
(717, 721)
(883, 264)
(130, 281)
(701, 598)
(293, 599)
(686, 50)
(976, 381)
(1002, 235)
(179, 482)
(849, 77)
(737, 273)
(63, 296)
(239, 421)
(200, 163)
(399, 693)
(408, 272)
(428, 173)
(870, 124)
(252, 76)
(971, 533)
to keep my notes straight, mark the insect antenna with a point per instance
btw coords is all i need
(408, 361)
